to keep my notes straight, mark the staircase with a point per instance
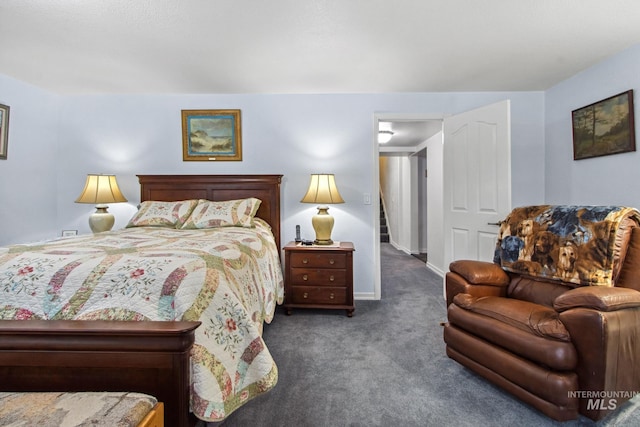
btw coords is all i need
(384, 231)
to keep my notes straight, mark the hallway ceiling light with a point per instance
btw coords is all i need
(384, 136)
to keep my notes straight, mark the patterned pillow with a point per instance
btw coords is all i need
(230, 213)
(162, 214)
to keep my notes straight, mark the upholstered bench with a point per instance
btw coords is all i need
(52, 409)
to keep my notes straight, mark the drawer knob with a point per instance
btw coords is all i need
(332, 261)
(305, 277)
(305, 295)
(331, 278)
(305, 260)
(331, 295)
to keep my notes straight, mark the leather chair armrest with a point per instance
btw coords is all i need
(608, 347)
(480, 272)
(601, 298)
(476, 278)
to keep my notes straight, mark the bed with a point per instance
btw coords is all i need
(192, 339)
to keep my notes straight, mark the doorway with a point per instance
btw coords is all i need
(407, 193)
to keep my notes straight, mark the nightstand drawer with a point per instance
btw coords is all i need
(324, 277)
(319, 259)
(319, 277)
(318, 295)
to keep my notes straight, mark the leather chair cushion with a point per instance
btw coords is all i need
(536, 291)
(553, 353)
(533, 318)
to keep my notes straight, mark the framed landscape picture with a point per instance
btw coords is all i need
(604, 127)
(4, 130)
(211, 135)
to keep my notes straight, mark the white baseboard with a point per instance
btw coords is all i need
(400, 248)
(435, 269)
(364, 296)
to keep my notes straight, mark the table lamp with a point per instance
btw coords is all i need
(100, 190)
(323, 190)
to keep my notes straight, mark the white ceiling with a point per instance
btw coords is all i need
(308, 46)
(408, 133)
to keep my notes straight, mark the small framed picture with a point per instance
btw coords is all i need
(4, 130)
(211, 135)
(69, 233)
(604, 127)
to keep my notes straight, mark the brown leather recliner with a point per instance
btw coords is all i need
(560, 346)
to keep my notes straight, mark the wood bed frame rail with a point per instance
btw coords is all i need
(97, 355)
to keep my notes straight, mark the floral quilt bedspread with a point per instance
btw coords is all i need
(230, 279)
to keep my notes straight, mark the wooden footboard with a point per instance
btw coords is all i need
(74, 355)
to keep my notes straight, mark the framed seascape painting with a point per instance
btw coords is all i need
(604, 127)
(211, 135)
(4, 130)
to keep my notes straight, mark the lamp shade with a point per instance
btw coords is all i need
(323, 190)
(100, 189)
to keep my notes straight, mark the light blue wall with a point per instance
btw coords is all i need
(28, 199)
(601, 180)
(294, 135)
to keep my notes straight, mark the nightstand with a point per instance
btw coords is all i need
(319, 276)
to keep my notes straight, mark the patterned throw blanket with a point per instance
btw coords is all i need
(574, 244)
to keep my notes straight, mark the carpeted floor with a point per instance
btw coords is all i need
(386, 366)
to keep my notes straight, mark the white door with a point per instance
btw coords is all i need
(477, 181)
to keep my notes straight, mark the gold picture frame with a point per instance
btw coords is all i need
(4, 130)
(604, 127)
(211, 135)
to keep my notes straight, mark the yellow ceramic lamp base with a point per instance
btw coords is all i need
(323, 224)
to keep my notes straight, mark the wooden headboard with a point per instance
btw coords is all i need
(169, 188)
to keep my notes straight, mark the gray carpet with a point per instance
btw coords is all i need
(386, 366)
